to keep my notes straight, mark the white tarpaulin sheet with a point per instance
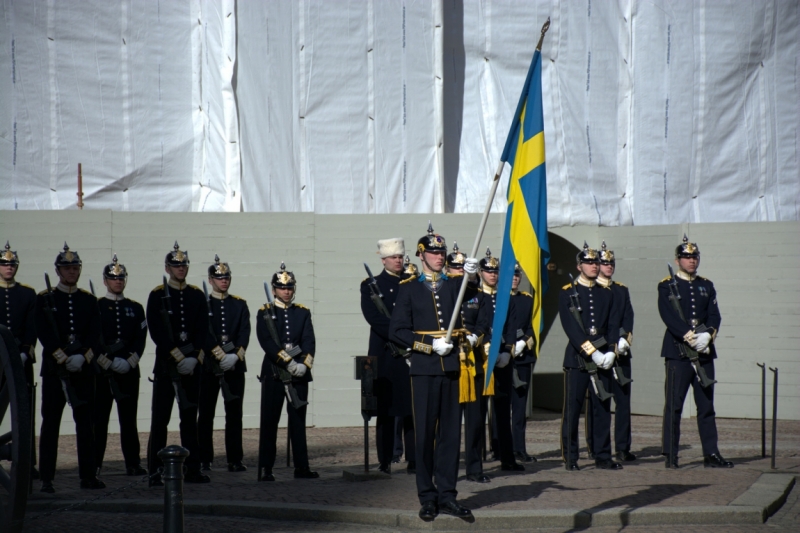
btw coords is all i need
(655, 112)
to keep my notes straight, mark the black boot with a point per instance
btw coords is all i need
(715, 460)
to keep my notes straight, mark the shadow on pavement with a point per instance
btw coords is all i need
(510, 493)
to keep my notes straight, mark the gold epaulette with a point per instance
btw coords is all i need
(567, 286)
(701, 277)
(160, 287)
(666, 279)
(190, 286)
(363, 280)
(618, 283)
(301, 306)
(86, 292)
(264, 307)
(26, 286)
(407, 280)
(529, 295)
(43, 292)
(237, 297)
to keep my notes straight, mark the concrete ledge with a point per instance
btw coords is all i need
(651, 516)
(768, 493)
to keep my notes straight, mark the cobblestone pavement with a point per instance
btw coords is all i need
(545, 484)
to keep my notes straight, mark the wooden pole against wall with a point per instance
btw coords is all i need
(80, 188)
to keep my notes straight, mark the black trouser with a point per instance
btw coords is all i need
(475, 428)
(209, 392)
(437, 423)
(576, 382)
(163, 400)
(622, 412)
(519, 406)
(501, 419)
(53, 402)
(680, 375)
(399, 436)
(272, 397)
(393, 429)
(126, 411)
(29, 379)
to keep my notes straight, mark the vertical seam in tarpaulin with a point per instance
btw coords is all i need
(233, 175)
(564, 195)
(488, 109)
(160, 110)
(624, 116)
(699, 113)
(198, 120)
(14, 96)
(586, 106)
(306, 197)
(763, 212)
(438, 84)
(404, 105)
(665, 137)
(127, 143)
(630, 182)
(371, 111)
(54, 140)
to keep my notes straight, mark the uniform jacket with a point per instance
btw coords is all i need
(599, 310)
(479, 322)
(123, 320)
(623, 296)
(293, 324)
(388, 366)
(699, 302)
(520, 318)
(420, 309)
(76, 315)
(188, 324)
(18, 312)
(230, 322)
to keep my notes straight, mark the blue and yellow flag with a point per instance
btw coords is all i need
(525, 236)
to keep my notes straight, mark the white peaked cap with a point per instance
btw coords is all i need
(389, 247)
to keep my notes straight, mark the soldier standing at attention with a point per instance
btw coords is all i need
(692, 321)
(420, 319)
(454, 264)
(17, 313)
(227, 344)
(68, 326)
(393, 384)
(592, 327)
(521, 321)
(124, 331)
(178, 319)
(286, 335)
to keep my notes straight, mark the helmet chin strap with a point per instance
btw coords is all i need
(430, 268)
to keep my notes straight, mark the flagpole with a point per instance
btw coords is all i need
(463, 289)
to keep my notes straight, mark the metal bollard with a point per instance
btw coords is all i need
(173, 458)
(774, 412)
(763, 409)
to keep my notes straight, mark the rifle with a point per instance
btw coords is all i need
(172, 370)
(227, 395)
(621, 378)
(279, 372)
(105, 363)
(687, 351)
(516, 382)
(74, 346)
(588, 365)
(377, 298)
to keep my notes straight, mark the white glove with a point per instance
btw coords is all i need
(503, 359)
(228, 361)
(702, 342)
(186, 366)
(608, 360)
(441, 347)
(291, 367)
(519, 346)
(75, 363)
(120, 366)
(471, 266)
(598, 358)
(623, 345)
(300, 371)
(408, 362)
(23, 356)
(473, 339)
(707, 350)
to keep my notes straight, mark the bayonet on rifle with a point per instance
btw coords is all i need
(227, 394)
(281, 373)
(686, 350)
(587, 364)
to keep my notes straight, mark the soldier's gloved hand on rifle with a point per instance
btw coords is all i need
(706, 350)
(623, 346)
(295, 369)
(471, 266)
(503, 359)
(186, 366)
(519, 347)
(23, 356)
(228, 361)
(441, 347)
(473, 339)
(608, 360)
(598, 358)
(75, 362)
(702, 340)
(120, 365)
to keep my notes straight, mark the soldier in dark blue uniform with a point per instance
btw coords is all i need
(68, 326)
(295, 333)
(698, 303)
(622, 366)
(179, 338)
(393, 385)
(17, 313)
(227, 344)
(519, 328)
(421, 315)
(124, 333)
(594, 339)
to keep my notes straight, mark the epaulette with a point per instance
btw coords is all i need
(301, 306)
(701, 277)
(190, 286)
(26, 286)
(666, 279)
(567, 286)
(618, 283)
(529, 295)
(43, 292)
(237, 297)
(455, 275)
(363, 280)
(264, 307)
(160, 287)
(86, 292)
(407, 280)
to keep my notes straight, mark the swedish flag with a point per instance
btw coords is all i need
(525, 236)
